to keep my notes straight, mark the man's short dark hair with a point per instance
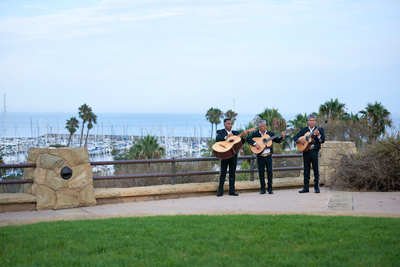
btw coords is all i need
(227, 119)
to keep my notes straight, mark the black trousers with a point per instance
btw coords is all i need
(310, 158)
(225, 163)
(265, 163)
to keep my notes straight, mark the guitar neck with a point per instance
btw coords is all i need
(245, 132)
(312, 133)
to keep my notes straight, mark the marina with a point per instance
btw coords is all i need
(15, 149)
(100, 147)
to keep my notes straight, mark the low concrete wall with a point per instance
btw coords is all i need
(24, 201)
(17, 202)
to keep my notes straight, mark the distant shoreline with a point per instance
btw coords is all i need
(36, 124)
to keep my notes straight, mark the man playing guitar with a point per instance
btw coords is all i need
(310, 153)
(264, 158)
(222, 135)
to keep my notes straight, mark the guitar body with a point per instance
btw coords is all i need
(304, 142)
(228, 148)
(263, 141)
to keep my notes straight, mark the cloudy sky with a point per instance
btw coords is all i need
(186, 56)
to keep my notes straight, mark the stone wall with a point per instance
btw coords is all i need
(330, 155)
(52, 191)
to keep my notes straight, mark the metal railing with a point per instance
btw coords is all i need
(173, 173)
(16, 166)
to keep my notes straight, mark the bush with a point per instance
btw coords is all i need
(245, 165)
(377, 168)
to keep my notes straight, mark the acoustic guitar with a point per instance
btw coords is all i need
(264, 142)
(230, 147)
(304, 142)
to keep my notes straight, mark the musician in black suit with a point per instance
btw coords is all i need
(264, 159)
(310, 155)
(222, 135)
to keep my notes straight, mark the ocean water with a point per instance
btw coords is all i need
(18, 124)
(21, 124)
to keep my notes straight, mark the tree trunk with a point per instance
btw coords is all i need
(69, 139)
(80, 140)
(86, 138)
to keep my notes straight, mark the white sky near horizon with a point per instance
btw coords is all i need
(187, 56)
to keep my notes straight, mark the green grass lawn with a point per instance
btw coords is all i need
(237, 240)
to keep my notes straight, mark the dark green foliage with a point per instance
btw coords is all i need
(145, 148)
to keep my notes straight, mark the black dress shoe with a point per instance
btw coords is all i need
(233, 194)
(316, 190)
(270, 192)
(303, 191)
(220, 194)
(262, 192)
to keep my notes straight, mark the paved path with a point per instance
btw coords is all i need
(286, 201)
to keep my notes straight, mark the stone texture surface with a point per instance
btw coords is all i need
(45, 197)
(158, 190)
(331, 153)
(50, 162)
(9, 198)
(50, 189)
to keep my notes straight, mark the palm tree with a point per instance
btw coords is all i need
(1, 154)
(230, 114)
(299, 121)
(71, 125)
(351, 117)
(274, 119)
(209, 117)
(377, 117)
(276, 123)
(214, 116)
(84, 114)
(92, 119)
(217, 116)
(355, 128)
(2, 171)
(145, 148)
(332, 110)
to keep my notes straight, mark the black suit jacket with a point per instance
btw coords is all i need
(257, 134)
(222, 134)
(317, 141)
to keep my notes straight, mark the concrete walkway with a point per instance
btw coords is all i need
(286, 201)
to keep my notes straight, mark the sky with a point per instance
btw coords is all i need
(187, 56)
